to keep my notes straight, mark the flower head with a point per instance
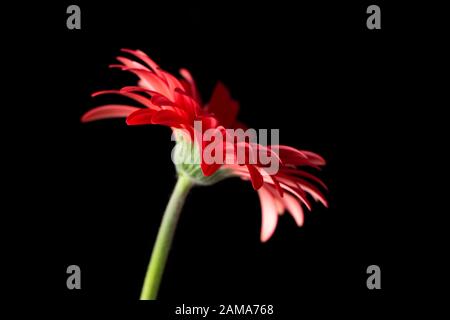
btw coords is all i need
(176, 103)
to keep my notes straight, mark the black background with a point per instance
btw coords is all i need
(313, 70)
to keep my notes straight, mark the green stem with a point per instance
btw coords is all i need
(164, 239)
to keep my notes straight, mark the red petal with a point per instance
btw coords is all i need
(315, 158)
(294, 208)
(209, 169)
(169, 118)
(107, 112)
(269, 214)
(255, 176)
(156, 98)
(186, 103)
(290, 155)
(192, 86)
(171, 81)
(151, 81)
(277, 185)
(313, 191)
(143, 100)
(208, 122)
(296, 190)
(223, 106)
(304, 174)
(276, 197)
(141, 55)
(142, 116)
(131, 64)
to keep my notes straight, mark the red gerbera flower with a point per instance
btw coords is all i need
(176, 103)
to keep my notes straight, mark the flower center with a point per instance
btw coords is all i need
(187, 159)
